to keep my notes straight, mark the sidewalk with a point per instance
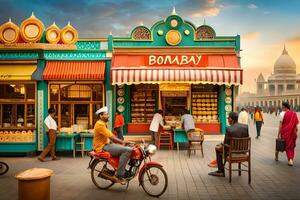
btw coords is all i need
(188, 177)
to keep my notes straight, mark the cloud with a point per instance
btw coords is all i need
(252, 6)
(294, 39)
(250, 36)
(207, 12)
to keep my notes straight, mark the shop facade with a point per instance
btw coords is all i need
(175, 66)
(57, 70)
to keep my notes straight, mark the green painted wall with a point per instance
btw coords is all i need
(221, 108)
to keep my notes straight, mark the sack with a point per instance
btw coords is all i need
(280, 144)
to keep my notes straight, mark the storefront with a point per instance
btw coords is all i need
(42, 68)
(174, 66)
(76, 90)
(17, 106)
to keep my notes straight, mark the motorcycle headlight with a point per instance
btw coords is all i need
(151, 149)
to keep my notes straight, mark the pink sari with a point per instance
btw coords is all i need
(289, 132)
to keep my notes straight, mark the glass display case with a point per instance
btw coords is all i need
(205, 103)
(143, 103)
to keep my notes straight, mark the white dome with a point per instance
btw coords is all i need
(285, 64)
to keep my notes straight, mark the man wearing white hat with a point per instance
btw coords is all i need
(102, 138)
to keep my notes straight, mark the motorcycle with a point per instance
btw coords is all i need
(3, 168)
(152, 177)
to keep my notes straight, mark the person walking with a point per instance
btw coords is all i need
(258, 120)
(119, 124)
(243, 117)
(51, 128)
(288, 131)
(154, 126)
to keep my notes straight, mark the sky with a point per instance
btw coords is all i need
(264, 25)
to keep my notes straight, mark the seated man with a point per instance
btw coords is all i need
(187, 121)
(102, 138)
(234, 130)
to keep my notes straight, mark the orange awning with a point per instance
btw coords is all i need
(74, 70)
(191, 68)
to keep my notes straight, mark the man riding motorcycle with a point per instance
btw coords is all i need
(104, 140)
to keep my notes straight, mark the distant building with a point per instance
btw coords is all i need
(282, 85)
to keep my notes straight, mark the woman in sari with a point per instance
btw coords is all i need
(288, 131)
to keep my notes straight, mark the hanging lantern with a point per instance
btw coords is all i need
(69, 34)
(9, 32)
(53, 34)
(32, 29)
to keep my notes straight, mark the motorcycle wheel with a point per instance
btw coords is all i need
(98, 180)
(154, 180)
(3, 168)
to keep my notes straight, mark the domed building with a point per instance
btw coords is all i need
(282, 85)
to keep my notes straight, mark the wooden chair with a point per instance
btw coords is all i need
(195, 140)
(239, 151)
(80, 146)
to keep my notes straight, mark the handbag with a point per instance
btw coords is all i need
(280, 144)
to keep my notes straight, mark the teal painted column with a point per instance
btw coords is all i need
(109, 92)
(42, 105)
(127, 112)
(42, 112)
(221, 108)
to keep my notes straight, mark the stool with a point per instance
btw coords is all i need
(165, 139)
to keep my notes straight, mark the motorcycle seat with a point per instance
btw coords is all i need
(100, 154)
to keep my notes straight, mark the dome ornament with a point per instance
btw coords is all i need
(174, 11)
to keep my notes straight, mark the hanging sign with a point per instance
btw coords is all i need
(178, 60)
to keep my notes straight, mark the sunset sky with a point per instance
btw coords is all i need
(264, 25)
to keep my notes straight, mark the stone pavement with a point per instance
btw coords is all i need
(188, 177)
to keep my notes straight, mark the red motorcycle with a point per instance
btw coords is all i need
(152, 177)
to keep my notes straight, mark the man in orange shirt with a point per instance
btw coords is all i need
(119, 124)
(104, 139)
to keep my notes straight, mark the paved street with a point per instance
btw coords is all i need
(188, 177)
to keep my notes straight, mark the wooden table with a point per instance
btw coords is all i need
(179, 137)
(66, 142)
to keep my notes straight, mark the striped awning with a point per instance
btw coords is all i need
(191, 68)
(191, 75)
(74, 70)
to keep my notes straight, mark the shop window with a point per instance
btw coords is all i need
(30, 113)
(17, 102)
(54, 89)
(76, 104)
(205, 103)
(30, 92)
(143, 103)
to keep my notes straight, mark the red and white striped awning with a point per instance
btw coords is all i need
(233, 76)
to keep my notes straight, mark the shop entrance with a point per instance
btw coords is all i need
(174, 106)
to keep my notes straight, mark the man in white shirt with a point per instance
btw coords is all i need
(154, 126)
(243, 117)
(187, 121)
(51, 128)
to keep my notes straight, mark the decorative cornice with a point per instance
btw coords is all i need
(18, 55)
(88, 44)
(168, 50)
(75, 55)
(37, 46)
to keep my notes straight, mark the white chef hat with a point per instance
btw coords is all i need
(102, 110)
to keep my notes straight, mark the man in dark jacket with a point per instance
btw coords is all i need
(235, 130)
